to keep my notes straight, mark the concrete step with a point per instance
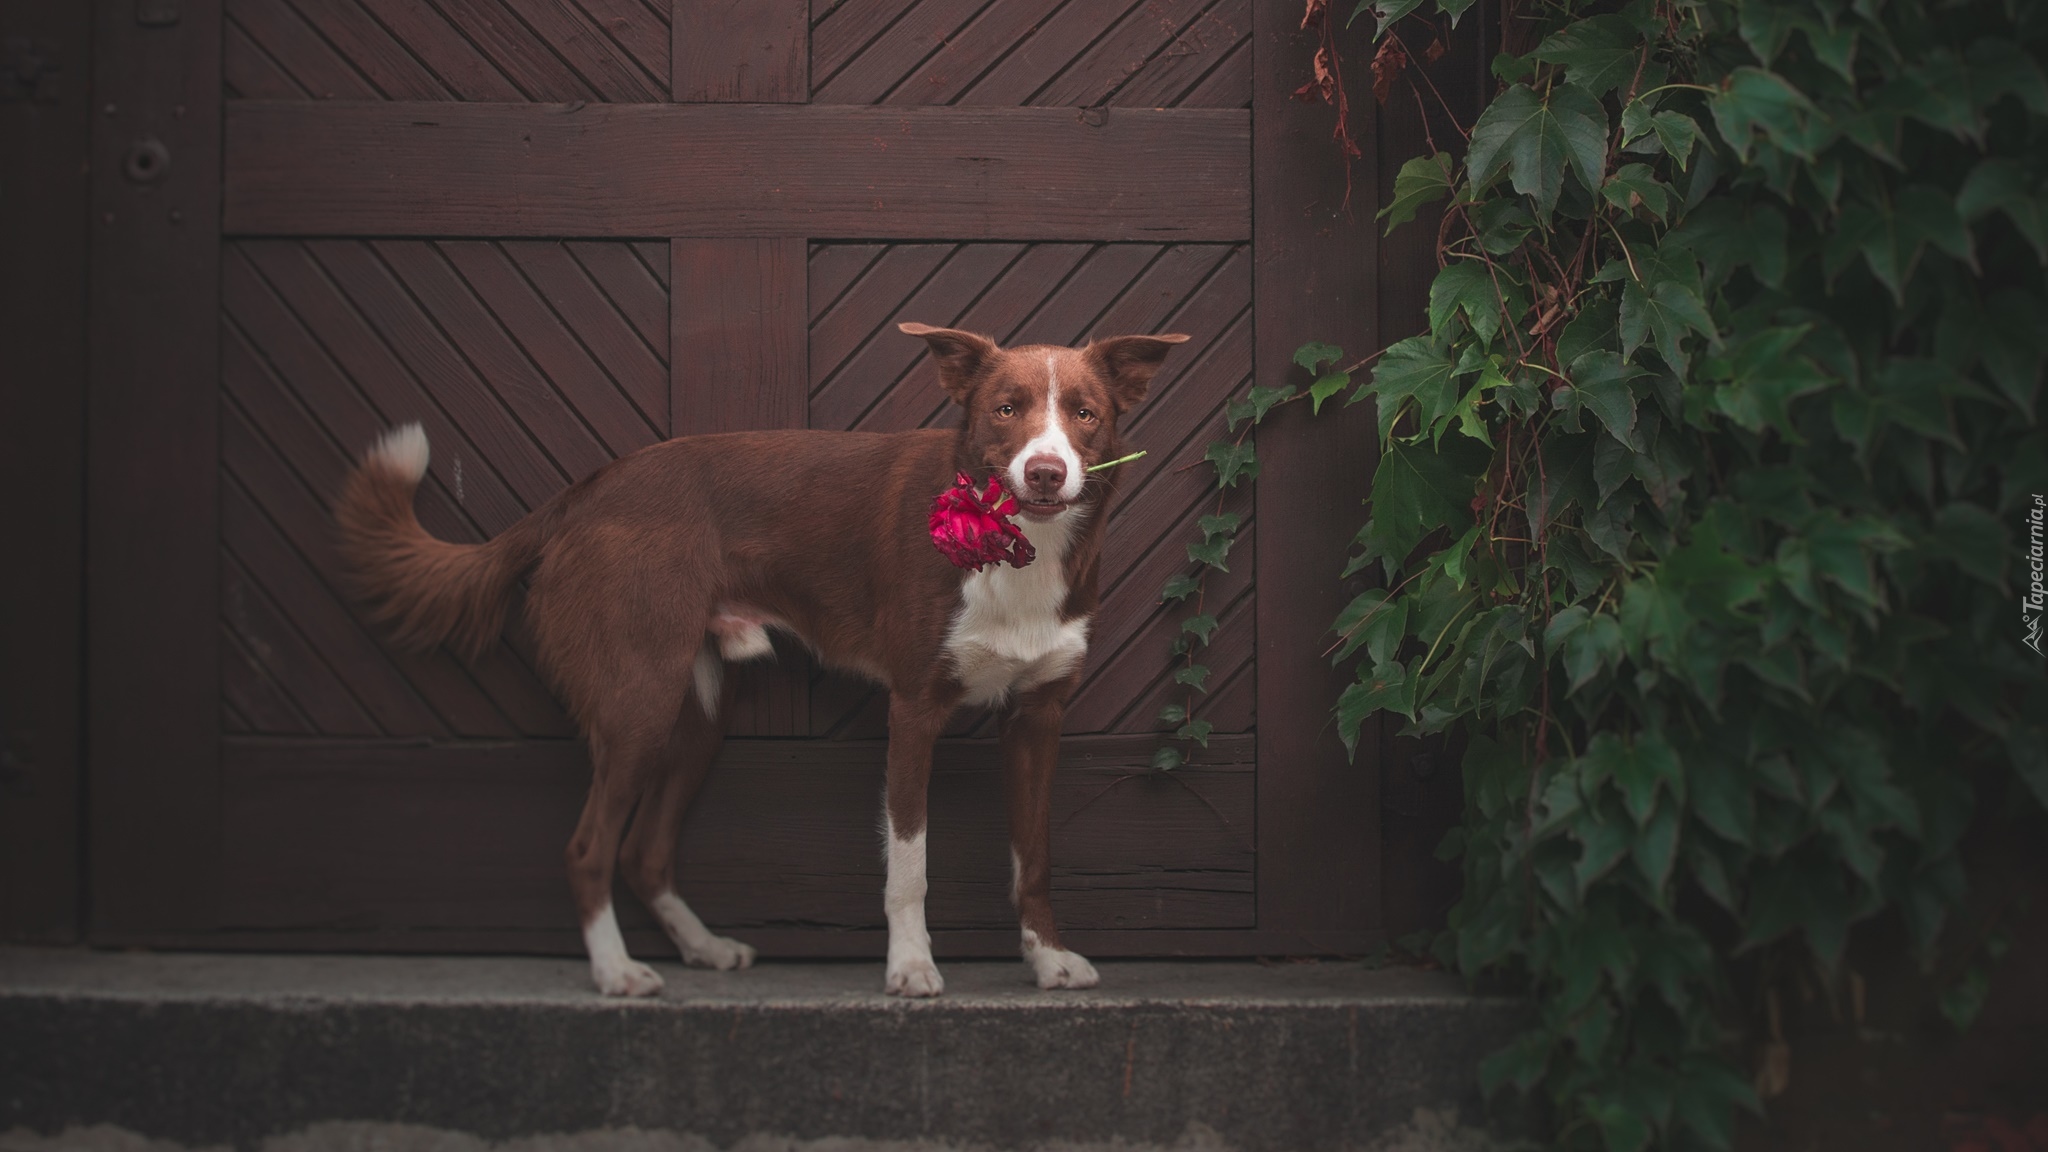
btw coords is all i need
(256, 1052)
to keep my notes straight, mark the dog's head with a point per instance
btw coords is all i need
(1040, 415)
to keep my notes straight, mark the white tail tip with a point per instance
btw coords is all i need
(402, 450)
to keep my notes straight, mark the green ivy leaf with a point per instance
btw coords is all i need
(1633, 185)
(1211, 552)
(1315, 354)
(1234, 462)
(1179, 588)
(1753, 101)
(1598, 54)
(1374, 622)
(1413, 369)
(1173, 714)
(1601, 383)
(1423, 180)
(1669, 310)
(1196, 730)
(1656, 848)
(1221, 524)
(1166, 758)
(1416, 490)
(1535, 138)
(1194, 676)
(1203, 626)
(2003, 185)
(1386, 686)
(1256, 404)
(1326, 386)
(1467, 286)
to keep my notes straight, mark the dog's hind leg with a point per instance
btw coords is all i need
(626, 744)
(649, 856)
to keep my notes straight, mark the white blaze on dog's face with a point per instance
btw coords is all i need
(1041, 415)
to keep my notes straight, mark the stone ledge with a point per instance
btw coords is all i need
(237, 1050)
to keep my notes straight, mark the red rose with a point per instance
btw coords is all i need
(973, 529)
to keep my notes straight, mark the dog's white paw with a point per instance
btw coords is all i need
(1058, 968)
(720, 952)
(915, 978)
(631, 978)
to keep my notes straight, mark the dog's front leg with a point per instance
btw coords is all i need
(1031, 748)
(914, 727)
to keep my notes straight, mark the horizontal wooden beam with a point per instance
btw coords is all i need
(338, 168)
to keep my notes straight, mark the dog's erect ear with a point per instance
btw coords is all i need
(962, 356)
(1129, 363)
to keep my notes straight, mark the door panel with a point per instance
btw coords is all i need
(488, 216)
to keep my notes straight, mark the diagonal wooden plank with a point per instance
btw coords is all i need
(303, 432)
(250, 73)
(407, 168)
(499, 35)
(393, 395)
(572, 37)
(972, 50)
(328, 626)
(1107, 273)
(861, 312)
(638, 31)
(1129, 691)
(866, 376)
(1228, 84)
(845, 30)
(598, 324)
(883, 63)
(1051, 46)
(1178, 68)
(270, 653)
(528, 325)
(300, 50)
(573, 448)
(831, 268)
(629, 287)
(281, 505)
(372, 50)
(466, 72)
(251, 701)
(1126, 51)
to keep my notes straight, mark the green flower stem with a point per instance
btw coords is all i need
(1114, 463)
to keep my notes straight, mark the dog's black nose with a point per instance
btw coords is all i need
(1044, 475)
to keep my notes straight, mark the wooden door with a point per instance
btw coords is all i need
(556, 231)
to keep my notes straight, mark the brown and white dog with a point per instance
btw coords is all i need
(652, 572)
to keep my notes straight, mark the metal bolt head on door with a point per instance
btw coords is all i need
(146, 161)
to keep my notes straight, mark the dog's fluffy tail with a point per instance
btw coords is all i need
(428, 591)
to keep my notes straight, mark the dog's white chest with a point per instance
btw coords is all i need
(1007, 636)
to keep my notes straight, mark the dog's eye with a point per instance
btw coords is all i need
(1006, 411)
(1085, 415)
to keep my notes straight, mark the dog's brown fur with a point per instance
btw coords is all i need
(824, 533)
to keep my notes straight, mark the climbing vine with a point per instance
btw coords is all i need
(1707, 512)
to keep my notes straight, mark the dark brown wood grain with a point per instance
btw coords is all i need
(414, 169)
(355, 835)
(1313, 279)
(46, 138)
(152, 585)
(743, 51)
